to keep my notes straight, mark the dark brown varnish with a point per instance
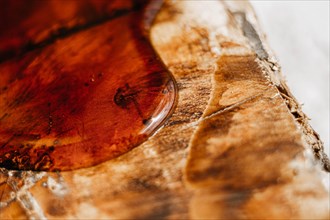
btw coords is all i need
(83, 99)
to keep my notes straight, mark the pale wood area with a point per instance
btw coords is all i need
(237, 145)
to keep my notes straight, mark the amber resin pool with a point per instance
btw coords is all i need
(83, 99)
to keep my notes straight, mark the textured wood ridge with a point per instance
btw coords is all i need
(236, 147)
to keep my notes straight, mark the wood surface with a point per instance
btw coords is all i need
(237, 145)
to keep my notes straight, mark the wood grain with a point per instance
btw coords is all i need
(236, 147)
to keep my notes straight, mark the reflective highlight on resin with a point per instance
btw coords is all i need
(84, 99)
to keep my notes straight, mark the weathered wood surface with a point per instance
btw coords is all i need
(237, 145)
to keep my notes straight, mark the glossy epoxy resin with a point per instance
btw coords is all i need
(83, 99)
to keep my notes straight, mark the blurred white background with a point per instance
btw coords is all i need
(298, 33)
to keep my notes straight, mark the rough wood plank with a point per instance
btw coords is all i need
(237, 145)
